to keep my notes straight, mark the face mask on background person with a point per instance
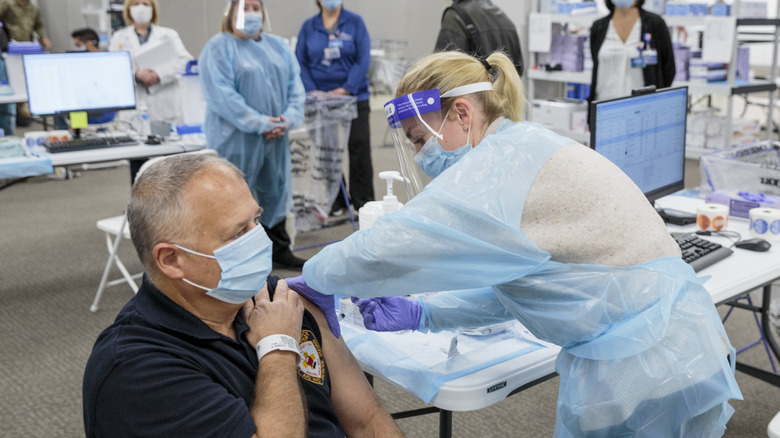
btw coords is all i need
(331, 4)
(245, 263)
(141, 14)
(623, 4)
(80, 49)
(253, 23)
(433, 160)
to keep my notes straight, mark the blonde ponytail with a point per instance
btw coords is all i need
(448, 70)
(507, 87)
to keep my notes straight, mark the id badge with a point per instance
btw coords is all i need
(650, 57)
(638, 62)
(336, 43)
(332, 53)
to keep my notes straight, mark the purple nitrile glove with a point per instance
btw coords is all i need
(388, 314)
(326, 303)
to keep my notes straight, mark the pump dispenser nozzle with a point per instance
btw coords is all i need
(390, 201)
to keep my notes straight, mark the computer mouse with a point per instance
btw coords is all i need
(754, 244)
(153, 140)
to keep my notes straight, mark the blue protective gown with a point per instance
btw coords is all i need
(643, 350)
(244, 83)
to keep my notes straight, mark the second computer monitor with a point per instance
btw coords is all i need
(94, 82)
(645, 137)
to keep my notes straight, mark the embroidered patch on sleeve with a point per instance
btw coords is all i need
(312, 367)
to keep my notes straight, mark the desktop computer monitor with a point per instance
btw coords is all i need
(95, 82)
(644, 136)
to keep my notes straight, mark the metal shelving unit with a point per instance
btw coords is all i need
(729, 89)
(103, 11)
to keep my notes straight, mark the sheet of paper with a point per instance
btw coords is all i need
(719, 36)
(539, 32)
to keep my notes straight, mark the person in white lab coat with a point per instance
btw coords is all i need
(159, 88)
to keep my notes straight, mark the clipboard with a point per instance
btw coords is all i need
(159, 55)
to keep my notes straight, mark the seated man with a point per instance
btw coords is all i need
(86, 39)
(201, 350)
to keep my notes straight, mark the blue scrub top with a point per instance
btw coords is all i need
(350, 71)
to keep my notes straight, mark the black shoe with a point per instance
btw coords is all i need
(288, 261)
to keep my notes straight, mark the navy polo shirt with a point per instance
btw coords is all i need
(350, 71)
(160, 371)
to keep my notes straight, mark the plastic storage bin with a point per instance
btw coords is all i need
(752, 168)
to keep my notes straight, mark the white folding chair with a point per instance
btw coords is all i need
(773, 430)
(117, 229)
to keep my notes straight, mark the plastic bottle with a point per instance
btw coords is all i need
(144, 127)
(371, 211)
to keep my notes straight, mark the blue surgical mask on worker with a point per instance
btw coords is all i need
(141, 14)
(245, 263)
(253, 23)
(623, 4)
(433, 160)
(331, 4)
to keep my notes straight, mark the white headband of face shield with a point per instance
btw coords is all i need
(455, 92)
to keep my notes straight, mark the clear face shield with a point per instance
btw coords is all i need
(249, 24)
(240, 18)
(416, 122)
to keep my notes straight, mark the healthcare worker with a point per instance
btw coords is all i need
(631, 48)
(519, 222)
(254, 96)
(156, 89)
(334, 51)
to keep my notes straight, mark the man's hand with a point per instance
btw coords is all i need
(147, 76)
(278, 130)
(45, 44)
(388, 314)
(282, 316)
(340, 91)
(326, 303)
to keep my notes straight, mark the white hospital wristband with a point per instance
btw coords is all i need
(277, 342)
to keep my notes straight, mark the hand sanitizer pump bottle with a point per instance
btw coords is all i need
(371, 211)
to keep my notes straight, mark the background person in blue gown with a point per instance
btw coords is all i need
(254, 97)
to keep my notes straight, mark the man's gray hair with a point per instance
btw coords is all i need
(157, 211)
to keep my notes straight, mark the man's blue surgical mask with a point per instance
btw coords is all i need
(331, 4)
(245, 263)
(623, 4)
(253, 23)
(433, 160)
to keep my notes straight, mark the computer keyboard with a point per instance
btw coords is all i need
(700, 253)
(80, 144)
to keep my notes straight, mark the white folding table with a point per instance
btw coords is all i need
(732, 277)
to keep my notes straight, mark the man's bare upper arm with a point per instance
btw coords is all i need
(354, 400)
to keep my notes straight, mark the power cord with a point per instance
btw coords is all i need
(732, 236)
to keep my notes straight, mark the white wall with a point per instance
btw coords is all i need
(414, 21)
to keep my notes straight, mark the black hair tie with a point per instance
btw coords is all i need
(486, 64)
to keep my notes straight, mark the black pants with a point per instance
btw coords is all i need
(361, 171)
(280, 239)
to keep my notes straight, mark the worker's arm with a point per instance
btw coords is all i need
(279, 409)
(38, 26)
(359, 411)
(359, 71)
(296, 93)
(302, 55)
